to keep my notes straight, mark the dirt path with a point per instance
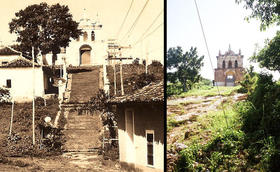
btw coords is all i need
(66, 162)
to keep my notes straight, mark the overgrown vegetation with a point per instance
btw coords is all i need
(219, 149)
(252, 139)
(20, 142)
(176, 88)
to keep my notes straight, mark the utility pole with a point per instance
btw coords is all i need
(115, 79)
(147, 54)
(12, 117)
(121, 78)
(33, 103)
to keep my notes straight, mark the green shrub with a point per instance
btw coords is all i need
(174, 89)
(219, 153)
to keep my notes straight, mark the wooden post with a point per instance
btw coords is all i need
(115, 80)
(12, 117)
(147, 54)
(121, 78)
(33, 103)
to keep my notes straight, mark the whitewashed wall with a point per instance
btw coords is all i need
(22, 82)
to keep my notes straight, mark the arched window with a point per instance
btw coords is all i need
(92, 36)
(224, 64)
(229, 64)
(236, 64)
(85, 36)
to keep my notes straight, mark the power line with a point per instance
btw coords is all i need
(209, 57)
(150, 26)
(125, 18)
(136, 20)
(149, 34)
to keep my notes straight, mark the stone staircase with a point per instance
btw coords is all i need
(85, 85)
(82, 130)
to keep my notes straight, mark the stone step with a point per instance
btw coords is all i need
(82, 139)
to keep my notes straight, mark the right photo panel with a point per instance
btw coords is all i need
(223, 87)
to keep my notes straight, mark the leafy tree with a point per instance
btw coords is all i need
(268, 11)
(186, 65)
(46, 28)
(269, 56)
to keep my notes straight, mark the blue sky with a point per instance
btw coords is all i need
(224, 24)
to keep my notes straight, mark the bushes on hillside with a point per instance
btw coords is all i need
(20, 142)
(260, 120)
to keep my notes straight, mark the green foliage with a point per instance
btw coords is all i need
(269, 57)
(220, 153)
(46, 28)
(174, 89)
(223, 148)
(267, 11)
(210, 91)
(260, 121)
(186, 65)
(249, 82)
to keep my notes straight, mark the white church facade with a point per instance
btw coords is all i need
(89, 49)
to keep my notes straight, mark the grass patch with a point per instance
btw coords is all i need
(216, 145)
(171, 122)
(210, 91)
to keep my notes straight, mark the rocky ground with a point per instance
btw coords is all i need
(182, 113)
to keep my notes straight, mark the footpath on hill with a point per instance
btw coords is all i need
(186, 119)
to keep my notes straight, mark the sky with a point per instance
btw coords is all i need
(223, 23)
(111, 14)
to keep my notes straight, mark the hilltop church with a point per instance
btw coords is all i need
(89, 49)
(229, 69)
(92, 48)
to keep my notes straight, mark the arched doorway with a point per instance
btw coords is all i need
(85, 51)
(230, 79)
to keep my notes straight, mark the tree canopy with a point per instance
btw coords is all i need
(269, 56)
(267, 11)
(186, 66)
(46, 28)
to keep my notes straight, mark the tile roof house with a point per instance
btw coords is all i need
(17, 75)
(141, 128)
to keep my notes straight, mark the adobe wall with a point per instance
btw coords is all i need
(146, 117)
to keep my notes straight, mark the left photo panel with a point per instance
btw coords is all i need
(82, 85)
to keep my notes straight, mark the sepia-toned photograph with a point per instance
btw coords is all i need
(223, 85)
(82, 85)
